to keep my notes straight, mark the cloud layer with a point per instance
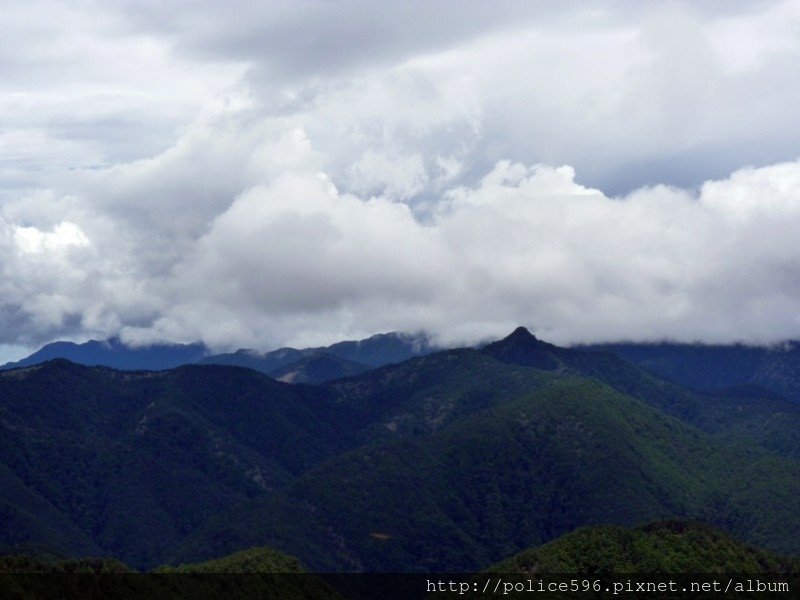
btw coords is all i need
(220, 177)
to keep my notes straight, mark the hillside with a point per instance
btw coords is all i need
(254, 573)
(451, 460)
(252, 560)
(748, 415)
(318, 368)
(130, 462)
(660, 547)
(518, 474)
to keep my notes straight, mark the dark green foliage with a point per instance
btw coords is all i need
(130, 463)
(522, 348)
(21, 563)
(423, 395)
(254, 560)
(515, 474)
(661, 547)
(743, 414)
(255, 573)
(448, 461)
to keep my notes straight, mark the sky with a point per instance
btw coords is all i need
(300, 172)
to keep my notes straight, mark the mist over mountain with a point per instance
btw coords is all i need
(116, 354)
(316, 365)
(307, 365)
(732, 370)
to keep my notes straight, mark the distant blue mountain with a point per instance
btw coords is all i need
(307, 365)
(774, 369)
(114, 353)
(317, 365)
(383, 349)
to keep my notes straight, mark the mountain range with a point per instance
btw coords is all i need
(733, 369)
(307, 365)
(116, 354)
(452, 460)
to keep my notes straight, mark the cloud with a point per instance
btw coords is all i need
(402, 177)
(304, 172)
(628, 93)
(290, 41)
(297, 260)
(80, 88)
(238, 240)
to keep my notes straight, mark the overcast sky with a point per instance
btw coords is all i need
(259, 174)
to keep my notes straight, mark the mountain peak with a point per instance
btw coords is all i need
(522, 334)
(524, 348)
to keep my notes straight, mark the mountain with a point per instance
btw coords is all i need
(713, 367)
(745, 414)
(128, 463)
(524, 348)
(307, 365)
(318, 368)
(448, 461)
(264, 362)
(382, 349)
(338, 360)
(661, 547)
(113, 353)
(518, 473)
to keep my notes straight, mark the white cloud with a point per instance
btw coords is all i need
(79, 87)
(183, 174)
(32, 240)
(278, 254)
(527, 245)
(401, 177)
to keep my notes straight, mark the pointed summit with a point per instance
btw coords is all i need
(522, 334)
(521, 347)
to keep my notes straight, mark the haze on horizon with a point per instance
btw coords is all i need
(297, 173)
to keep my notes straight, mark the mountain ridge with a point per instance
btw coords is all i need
(710, 367)
(460, 457)
(308, 365)
(115, 354)
(505, 477)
